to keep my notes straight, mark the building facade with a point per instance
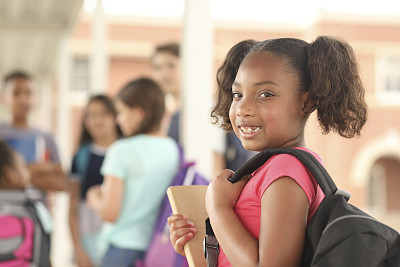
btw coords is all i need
(367, 166)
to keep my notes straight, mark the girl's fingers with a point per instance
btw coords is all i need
(181, 231)
(180, 237)
(226, 174)
(176, 217)
(181, 224)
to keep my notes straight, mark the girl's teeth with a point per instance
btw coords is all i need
(250, 129)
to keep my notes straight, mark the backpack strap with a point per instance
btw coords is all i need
(82, 162)
(210, 246)
(320, 174)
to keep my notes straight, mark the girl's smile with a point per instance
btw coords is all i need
(249, 131)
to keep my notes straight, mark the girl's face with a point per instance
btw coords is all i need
(129, 118)
(166, 72)
(267, 106)
(99, 122)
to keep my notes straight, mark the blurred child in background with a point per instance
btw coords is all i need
(99, 131)
(18, 209)
(43, 159)
(137, 171)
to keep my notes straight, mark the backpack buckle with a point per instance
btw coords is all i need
(210, 244)
(343, 193)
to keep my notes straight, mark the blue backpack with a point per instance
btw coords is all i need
(161, 253)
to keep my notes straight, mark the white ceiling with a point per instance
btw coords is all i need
(31, 31)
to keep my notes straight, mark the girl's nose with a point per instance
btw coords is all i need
(245, 107)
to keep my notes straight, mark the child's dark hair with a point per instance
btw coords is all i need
(6, 158)
(109, 104)
(226, 75)
(17, 74)
(327, 68)
(145, 93)
(171, 48)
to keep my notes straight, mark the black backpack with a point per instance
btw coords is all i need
(339, 234)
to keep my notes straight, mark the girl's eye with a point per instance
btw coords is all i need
(236, 95)
(266, 94)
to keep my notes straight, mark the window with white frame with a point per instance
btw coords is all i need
(80, 74)
(392, 79)
(388, 79)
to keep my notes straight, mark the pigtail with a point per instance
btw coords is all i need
(336, 90)
(226, 75)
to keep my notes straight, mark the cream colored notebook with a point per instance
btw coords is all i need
(190, 201)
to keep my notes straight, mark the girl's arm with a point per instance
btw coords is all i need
(48, 176)
(107, 199)
(284, 210)
(82, 259)
(219, 163)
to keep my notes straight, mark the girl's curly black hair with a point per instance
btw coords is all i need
(226, 75)
(326, 67)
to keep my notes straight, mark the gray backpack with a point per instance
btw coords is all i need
(24, 230)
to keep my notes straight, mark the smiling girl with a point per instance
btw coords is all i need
(99, 131)
(266, 93)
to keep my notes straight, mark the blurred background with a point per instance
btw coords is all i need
(77, 48)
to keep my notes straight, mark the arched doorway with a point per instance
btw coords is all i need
(384, 185)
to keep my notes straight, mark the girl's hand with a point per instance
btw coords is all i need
(180, 232)
(82, 259)
(222, 193)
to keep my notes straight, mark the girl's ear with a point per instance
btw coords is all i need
(3, 97)
(308, 105)
(139, 112)
(9, 175)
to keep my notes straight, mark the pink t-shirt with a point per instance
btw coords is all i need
(248, 206)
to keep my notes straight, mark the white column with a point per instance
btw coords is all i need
(197, 69)
(98, 63)
(61, 243)
(63, 132)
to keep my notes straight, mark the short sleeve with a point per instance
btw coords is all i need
(114, 163)
(285, 165)
(74, 173)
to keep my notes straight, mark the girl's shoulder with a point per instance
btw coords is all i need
(152, 141)
(141, 141)
(315, 154)
(284, 164)
(120, 145)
